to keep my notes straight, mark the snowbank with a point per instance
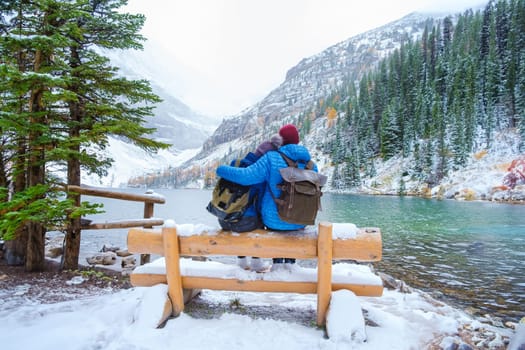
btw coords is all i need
(126, 319)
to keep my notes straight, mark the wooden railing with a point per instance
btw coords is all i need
(149, 199)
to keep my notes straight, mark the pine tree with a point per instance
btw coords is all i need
(101, 25)
(520, 98)
(75, 99)
(336, 178)
(445, 93)
(390, 131)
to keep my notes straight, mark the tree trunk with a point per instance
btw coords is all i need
(35, 259)
(16, 249)
(71, 245)
(73, 232)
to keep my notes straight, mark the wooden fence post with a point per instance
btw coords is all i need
(172, 262)
(324, 270)
(148, 213)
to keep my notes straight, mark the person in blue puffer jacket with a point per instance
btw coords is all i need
(251, 217)
(266, 170)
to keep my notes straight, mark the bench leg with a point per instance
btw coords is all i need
(324, 271)
(173, 276)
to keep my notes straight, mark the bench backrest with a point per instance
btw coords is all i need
(365, 247)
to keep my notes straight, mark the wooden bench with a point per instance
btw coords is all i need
(364, 246)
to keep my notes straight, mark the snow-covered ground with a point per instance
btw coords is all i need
(126, 320)
(403, 318)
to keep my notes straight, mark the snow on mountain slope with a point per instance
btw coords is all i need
(175, 122)
(132, 161)
(480, 179)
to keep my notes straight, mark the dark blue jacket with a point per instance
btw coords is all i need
(256, 190)
(266, 170)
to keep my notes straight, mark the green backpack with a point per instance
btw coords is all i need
(229, 203)
(300, 198)
(229, 200)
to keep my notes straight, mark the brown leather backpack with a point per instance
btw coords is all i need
(300, 198)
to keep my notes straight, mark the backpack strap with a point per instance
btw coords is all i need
(309, 165)
(290, 163)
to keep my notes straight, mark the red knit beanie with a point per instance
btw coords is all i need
(289, 134)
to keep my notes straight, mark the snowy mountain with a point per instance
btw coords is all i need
(174, 121)
(307, 82)
(311, 80)
(315, 77)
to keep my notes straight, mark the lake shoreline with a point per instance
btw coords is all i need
(459, 197)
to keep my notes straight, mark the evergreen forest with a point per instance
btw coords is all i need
(437, 99)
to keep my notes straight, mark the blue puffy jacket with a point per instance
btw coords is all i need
(266, 169)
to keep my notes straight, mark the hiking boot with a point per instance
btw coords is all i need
(289, 264)
(278, 267)
(258, 265)
(243, 263)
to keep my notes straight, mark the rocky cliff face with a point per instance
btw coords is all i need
(316, 77)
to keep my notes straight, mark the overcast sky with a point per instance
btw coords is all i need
(236, 51)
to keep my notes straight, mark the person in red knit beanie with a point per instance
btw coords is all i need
(289, 134)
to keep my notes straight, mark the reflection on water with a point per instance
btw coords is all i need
(471, 252)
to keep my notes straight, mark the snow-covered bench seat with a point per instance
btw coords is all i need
(325, 244)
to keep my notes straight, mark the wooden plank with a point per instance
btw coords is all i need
(148, 280)
(324, 271)
(365, 247)
(148, 211)
(144, 241)
(123, 224)
(369, 290)
(275, 286)
(171, 248)
(257, 243)
(99, 192)
(249, 285)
